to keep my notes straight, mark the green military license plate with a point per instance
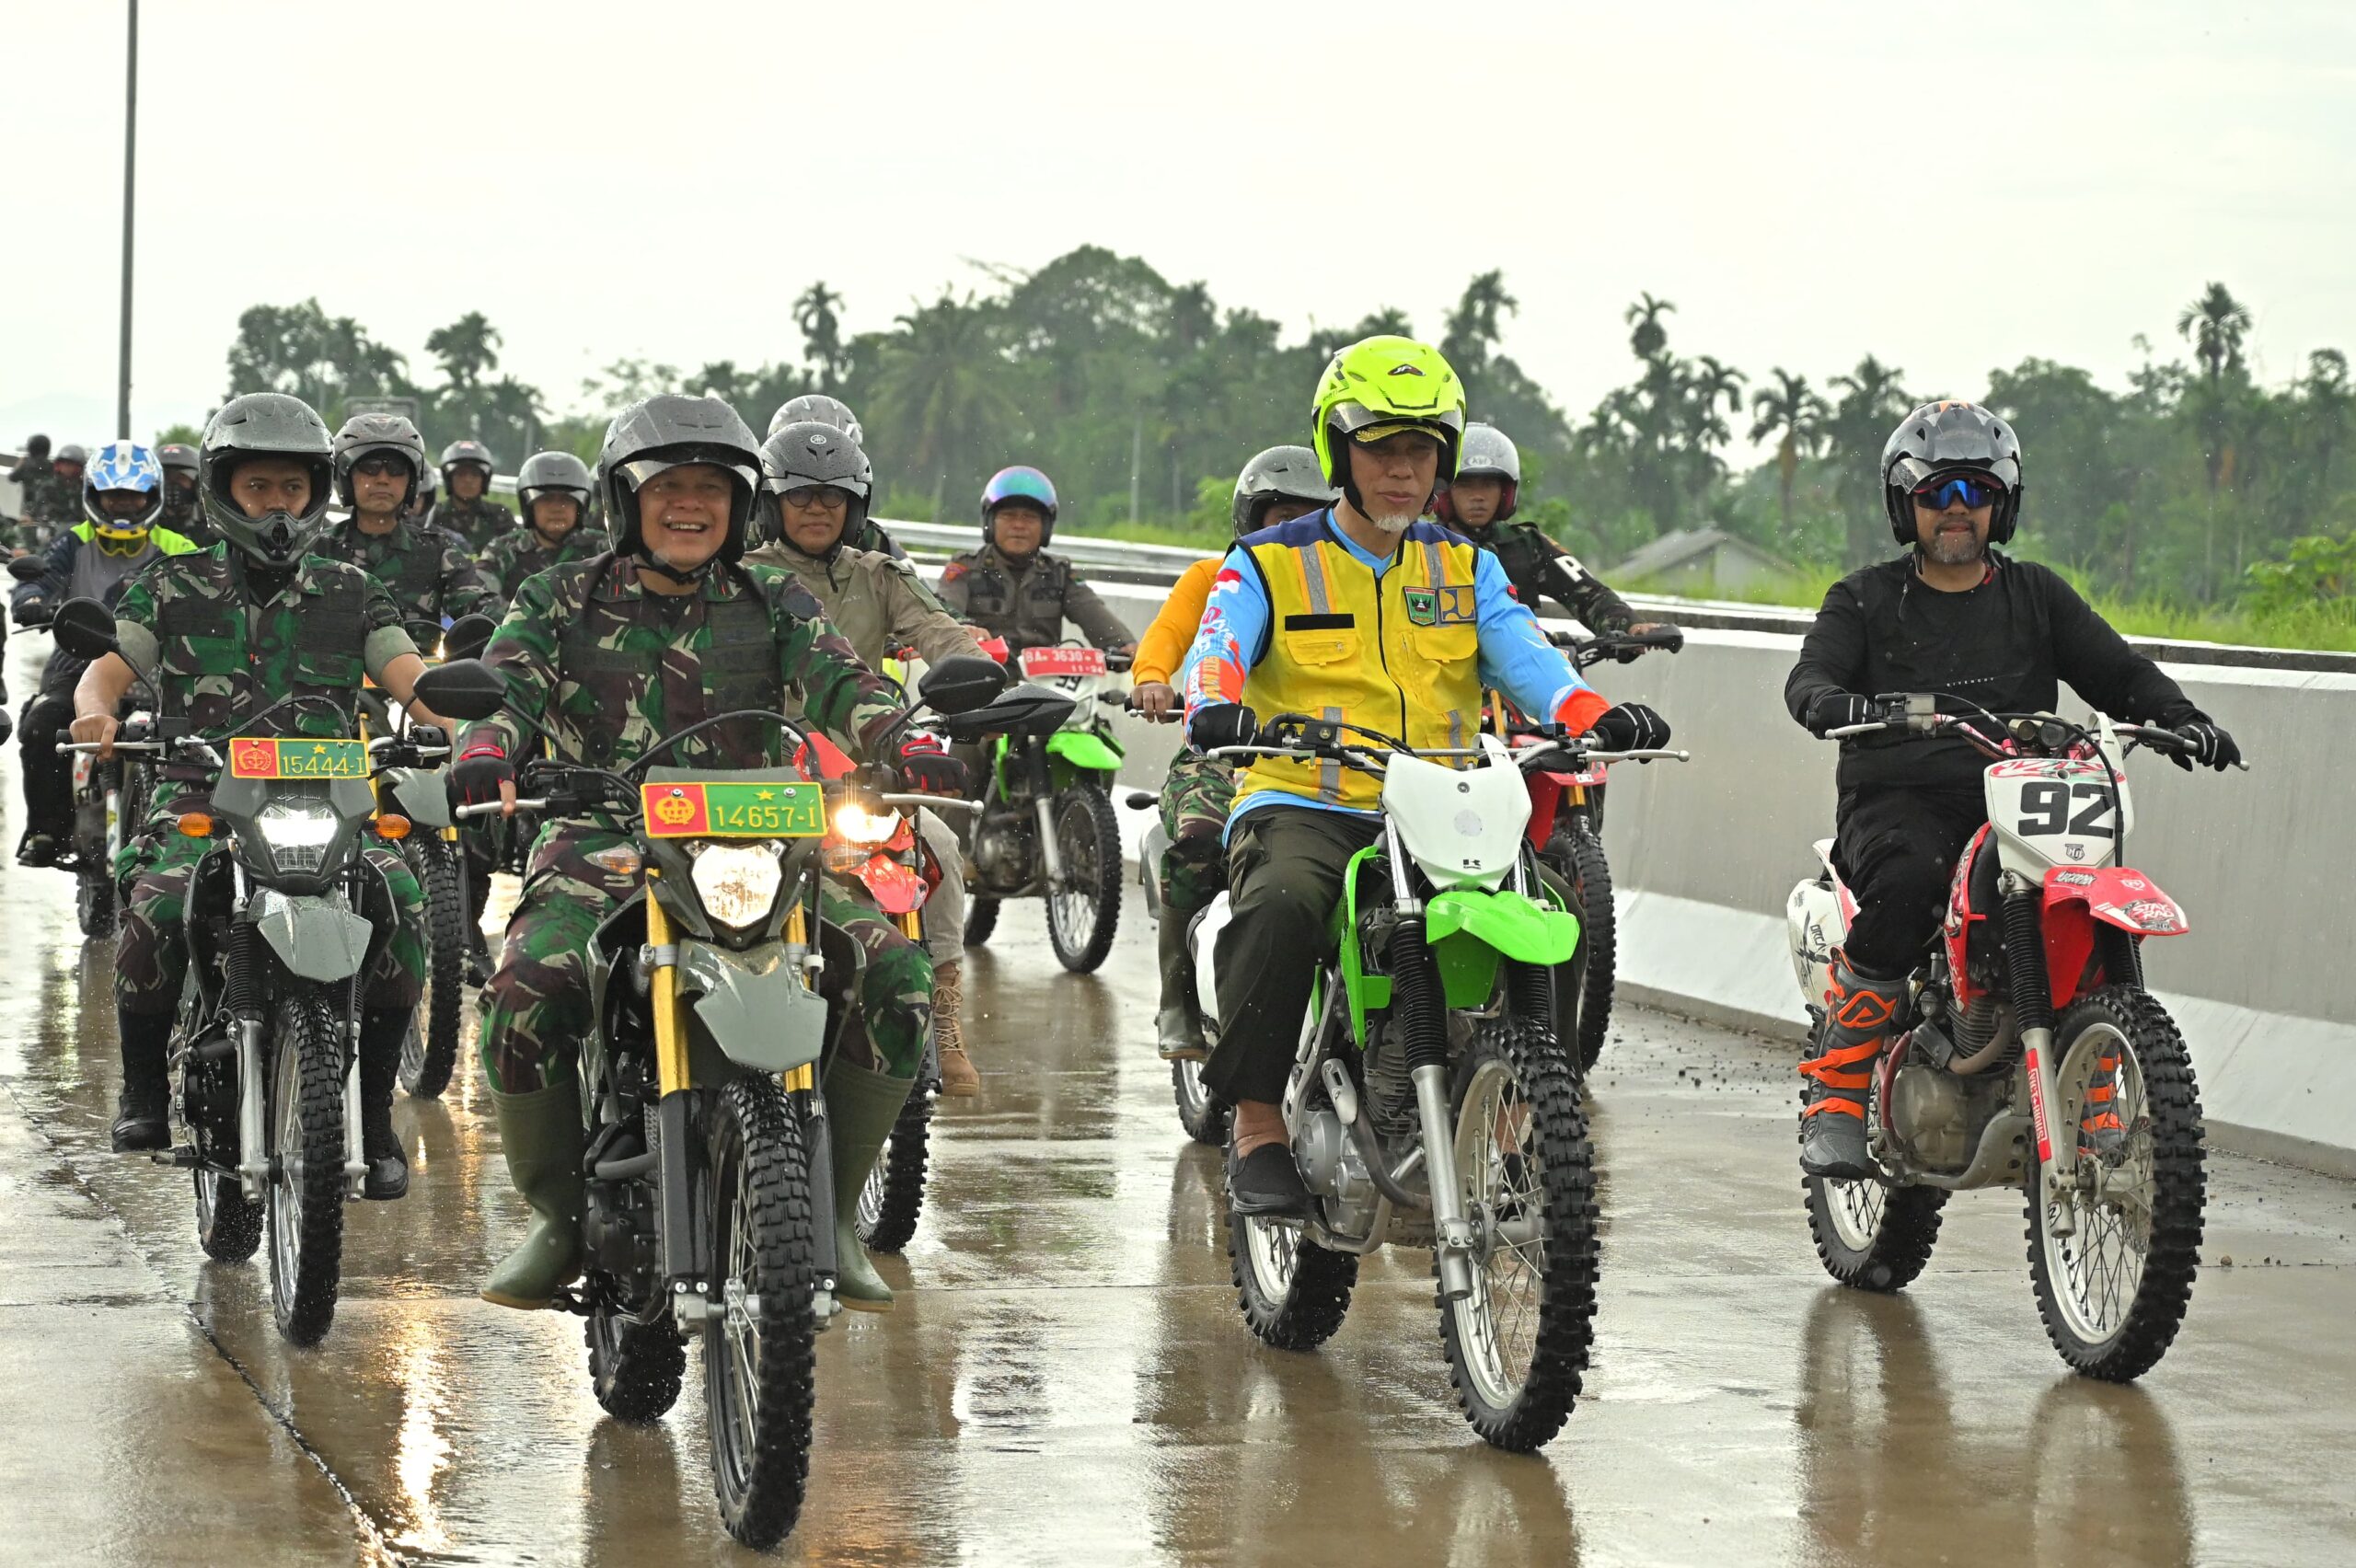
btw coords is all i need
(287, 757)
(733, 810)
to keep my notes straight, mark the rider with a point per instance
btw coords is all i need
(226, 634)
(52, 502)
(1363, 613)
(429, 490)
(122, 499)
(1280, 484)
(866, 534)
(1983, 631)
(822, 484)
(377, 458)
(1012, 587)
(604, 657)
(552, 488)
(183, 513)
(468, 510)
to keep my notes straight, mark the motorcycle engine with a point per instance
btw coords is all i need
(1002, 852)
(1329, 1165)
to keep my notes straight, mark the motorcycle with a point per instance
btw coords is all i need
(279, 934)
(2028, 1052)
(1047, 828)
(1199, 1111)
(1430, 1104)
(708, 1213)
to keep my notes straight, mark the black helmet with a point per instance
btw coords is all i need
(177, 456)
(266, 424)
(1489, 454)
(1279, 473)
(667, 431)
(561, 472)
(818, 407)
(810, 452)
(463, 451)
(36, 447)
(363, 436)
(1950, 438)
(71, 452)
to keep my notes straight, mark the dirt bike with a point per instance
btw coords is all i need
(1199, 1111)
(709, 1212)
(1047, 827)
(1430, 1104)
(2028, 1053)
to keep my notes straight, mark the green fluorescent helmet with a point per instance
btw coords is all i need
(1386, 382)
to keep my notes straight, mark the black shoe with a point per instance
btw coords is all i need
(140, 1124)
(38, 850)
(387, 1176)
(141, 1119)
(1266, 1182)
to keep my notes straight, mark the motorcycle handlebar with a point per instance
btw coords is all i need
(492, 808)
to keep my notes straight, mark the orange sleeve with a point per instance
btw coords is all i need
(1163, 647)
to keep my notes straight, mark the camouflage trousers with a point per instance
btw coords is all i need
(151, 952)
(537, 1009)
(1194, 802)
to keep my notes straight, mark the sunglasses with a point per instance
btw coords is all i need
(829, 497)
(383, 468)
(1974, 491)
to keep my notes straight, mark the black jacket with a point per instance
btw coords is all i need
(2001, 646)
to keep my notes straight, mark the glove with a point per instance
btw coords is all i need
(476, 777)
(928, 769)
(1837, 710)
(1630, 727)
(2211, 747)
(1222, 724)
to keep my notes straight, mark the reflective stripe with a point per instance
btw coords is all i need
(1435, 569)
(1456, 738)
(1329, 772)
(1312, 580)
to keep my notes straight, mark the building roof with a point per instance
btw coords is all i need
(1686, 545)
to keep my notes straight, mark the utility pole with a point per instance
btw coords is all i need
(130, 165)
(1136, 457)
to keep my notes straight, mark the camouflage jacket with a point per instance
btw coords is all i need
(52, 501)
(477, 522)
(428, 576)
(1539, 569)
(603, 669)
(1027, 602)
(521, 553)
(226, 641)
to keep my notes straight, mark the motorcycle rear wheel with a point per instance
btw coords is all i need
(430, 1050)
(305, 1199)
(1293, 1292)
(635, 1368)
(94, 895)
(893, 1200)
(1870, 1236)
(1202, 1115)
(1586, 1011)
(981, 920)
(1084, 913)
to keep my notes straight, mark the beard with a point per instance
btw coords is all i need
(1397, 524)
(1957, 548)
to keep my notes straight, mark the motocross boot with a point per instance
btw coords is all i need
(1175, 1038)
(382, 1032)
(861, 1106)
(141, 1119)
(958, 1077)
(1832, 1127)
(544, 1140)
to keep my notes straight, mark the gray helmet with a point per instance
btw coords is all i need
(463, 451)
(546, 471)
(1944, 438)
(429, 485)
(1489, 452)
(72, 451)
(812, 452)
(667, 431)
(364, 436)
(266, 424)
(176, 458)
(824, 409)
(1278, 473)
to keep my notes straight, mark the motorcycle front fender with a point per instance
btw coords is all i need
(314, 935)
(421, 796)
(1084, 748)
(754, 1006)
(1470, 930)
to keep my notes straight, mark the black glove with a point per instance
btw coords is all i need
(928, 769)
(1838, 711)
(1222, 724)
(2211, 747)
(475, 779)
(32, 611)
(1630, 727)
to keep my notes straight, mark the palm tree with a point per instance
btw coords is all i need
(466, 348)
(1793, 416)
(941, 387)
(818, 313)
(1649, 337)
(1872, 400)
(2215, 325)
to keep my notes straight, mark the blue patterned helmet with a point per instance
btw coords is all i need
(1020, 483)
(123, 465)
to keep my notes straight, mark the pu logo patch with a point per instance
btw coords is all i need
(1457, 605)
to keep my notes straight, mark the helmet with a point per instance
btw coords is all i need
(546, 471)
(1489, 452)
(363, 436)
(176, 458)
(123, 465)
(1944, 438)
(1279, 473)
(429, 485)
(71, 453)
(666, 432)
(265, 424)
(824, 409)
(810, 452)
(36, 446)
(1018, 483)
(463, 451)
(1378, 384)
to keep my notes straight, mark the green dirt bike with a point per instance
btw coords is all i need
(1429, 1046)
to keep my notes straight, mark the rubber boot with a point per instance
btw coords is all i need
(382, 1030)
(1175, 1038)
(142, 1120)
(861, 1106)
(958, 1077)
(542, 1135)
(1832, 1127)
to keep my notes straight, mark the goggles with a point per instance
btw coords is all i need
(1975, 491)
(119, 541)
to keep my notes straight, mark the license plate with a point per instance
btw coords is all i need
(1046, 663)
(288, 756)
(733, 810)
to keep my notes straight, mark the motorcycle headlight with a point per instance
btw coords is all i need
(854, 824)
(298, 830)
(738, 883)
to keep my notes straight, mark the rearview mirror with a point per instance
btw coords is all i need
(463, 689)
(28, 568)
(963, 684)
(466, 636)
(85, 629)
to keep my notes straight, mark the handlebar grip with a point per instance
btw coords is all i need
(492, 808)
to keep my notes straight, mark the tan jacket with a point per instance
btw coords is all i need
(878, 604)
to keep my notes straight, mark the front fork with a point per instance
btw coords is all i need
(2032, 998)
(1419, 1006)
(1043, 792)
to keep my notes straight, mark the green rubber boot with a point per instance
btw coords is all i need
(861, 1106)
(542, 1135)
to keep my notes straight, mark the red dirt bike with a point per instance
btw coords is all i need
(2028, 1052)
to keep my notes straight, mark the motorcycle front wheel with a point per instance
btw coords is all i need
(1084, 910)
(430, 1050)
(307, 1180)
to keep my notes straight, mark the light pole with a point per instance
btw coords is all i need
(130, 164)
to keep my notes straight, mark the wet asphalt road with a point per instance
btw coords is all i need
(1066, 1379)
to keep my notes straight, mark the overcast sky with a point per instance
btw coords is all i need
(1951, 187)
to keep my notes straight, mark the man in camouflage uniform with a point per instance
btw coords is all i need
(552, 488)
(1012, 587)
(52, 501)
(377, 459)
(603, 658)
(227, 633)
(466, 508)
